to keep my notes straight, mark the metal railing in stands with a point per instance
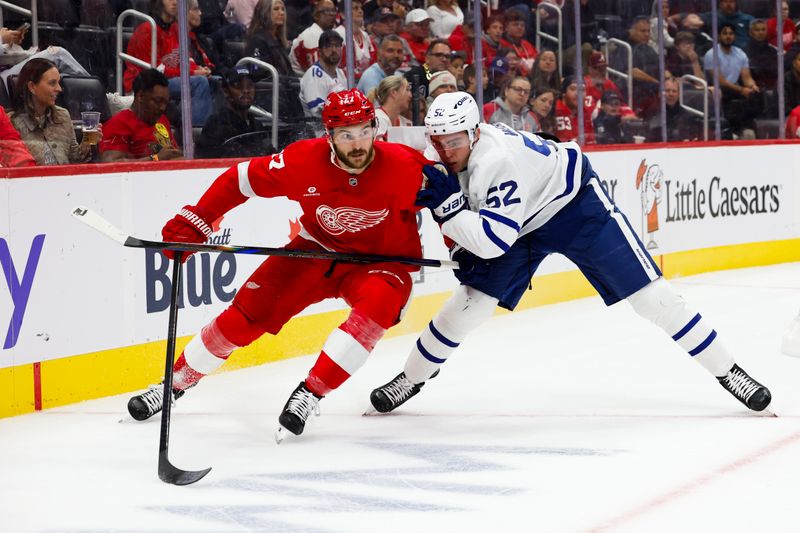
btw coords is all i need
(695, 81)
(33, 13)
(558, 39)
(132, 13)
(275, 89)
(627, 76)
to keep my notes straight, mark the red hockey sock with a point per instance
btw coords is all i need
(184, 376)
(325, 376)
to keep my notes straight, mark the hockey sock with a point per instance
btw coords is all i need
(659, 303)
(466, 309)
(345, 350)
(205, 353)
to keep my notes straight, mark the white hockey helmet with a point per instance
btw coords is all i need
(451, 113)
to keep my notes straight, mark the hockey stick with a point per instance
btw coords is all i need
(168, 472)
(94, 220)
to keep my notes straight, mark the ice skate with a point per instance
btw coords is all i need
(298, 408)
(388, 397)
(145, 405)
(745, 389)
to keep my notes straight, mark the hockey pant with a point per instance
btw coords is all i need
(281, 288)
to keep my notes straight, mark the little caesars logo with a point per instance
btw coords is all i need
(686, 201)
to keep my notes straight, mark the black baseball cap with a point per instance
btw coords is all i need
(235, 75)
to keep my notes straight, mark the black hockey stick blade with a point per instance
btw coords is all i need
(168, 472)
(97, 222)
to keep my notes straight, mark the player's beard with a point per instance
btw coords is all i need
(346, 160)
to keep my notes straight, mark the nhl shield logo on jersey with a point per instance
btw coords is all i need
(648, 181)
(337, 221)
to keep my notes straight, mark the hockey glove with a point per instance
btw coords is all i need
(187, 226)
(442, 194)
(471, 268)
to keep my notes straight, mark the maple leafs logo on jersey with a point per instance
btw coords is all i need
(337, 221)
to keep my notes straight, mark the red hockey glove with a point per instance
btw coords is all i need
(187, 226)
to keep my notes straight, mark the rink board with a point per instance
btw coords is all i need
(82, 317)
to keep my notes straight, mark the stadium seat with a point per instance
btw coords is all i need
(232, 51)
(767, 128)
(11, 87)
(84, 94)
(90, 48)
(760, 9)
(61, 12)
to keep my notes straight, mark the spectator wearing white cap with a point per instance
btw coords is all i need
(417, 33)
(445, 15)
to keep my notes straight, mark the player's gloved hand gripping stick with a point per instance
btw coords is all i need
(442, 193)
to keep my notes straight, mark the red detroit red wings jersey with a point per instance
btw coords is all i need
(371, 212)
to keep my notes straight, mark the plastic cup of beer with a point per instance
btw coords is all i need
(91, 121)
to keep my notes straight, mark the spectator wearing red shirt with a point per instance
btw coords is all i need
(167, 56)
(515, 40)
(13, 152)
(142, 132)
(463, 40)
(793, 124)
(596, 84)
(567, 114)
(492, 35)
(787, 35)
(417, 33)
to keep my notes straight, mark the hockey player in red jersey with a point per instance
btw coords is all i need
(357, 196)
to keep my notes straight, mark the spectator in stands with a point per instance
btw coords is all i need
(793, 50)
(13, 152)
(383, 23)
(304, 52)
(542, 106)
(45, 127)
(741, 98)
(471, 81)
(441, 82)
(511, 108)
(417, 34)
(682, 58)
(793, 124)
(608, 122)
(392, 99)
(390, 56)
(266, 36)
(494, 26)
(216, 27)
(645, 67)
(762, 56)
(142, 132)
(324, 76)
(364, 49)
(681, 126)
(590, 39)
(463, 38)
(401, 9)
(446, 16)
(545, 72)
(596, 83)
(167, 54)
(241, 10)
(670, 25)
(371, 7)
(791, 84)
(436, 59)
(457, 62)
(232, 120)
(729, 14)
(567, 114)
(514, 39)
(499, 75)
(787, 35)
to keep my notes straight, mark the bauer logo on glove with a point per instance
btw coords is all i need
(442, 193)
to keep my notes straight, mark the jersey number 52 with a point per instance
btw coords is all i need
(503, 194)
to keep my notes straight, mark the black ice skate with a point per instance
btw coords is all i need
(145, 405)
(395, 393)
(298, 408)
(747, 390)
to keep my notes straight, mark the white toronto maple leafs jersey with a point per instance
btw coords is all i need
(515, 182)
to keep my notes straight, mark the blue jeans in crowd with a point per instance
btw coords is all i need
(200, 91)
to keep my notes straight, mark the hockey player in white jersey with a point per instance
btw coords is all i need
(508, 199)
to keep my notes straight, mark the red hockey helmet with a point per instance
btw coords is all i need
(346, 108)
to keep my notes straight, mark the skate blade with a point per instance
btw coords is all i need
(281, 433)
(371, 411)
